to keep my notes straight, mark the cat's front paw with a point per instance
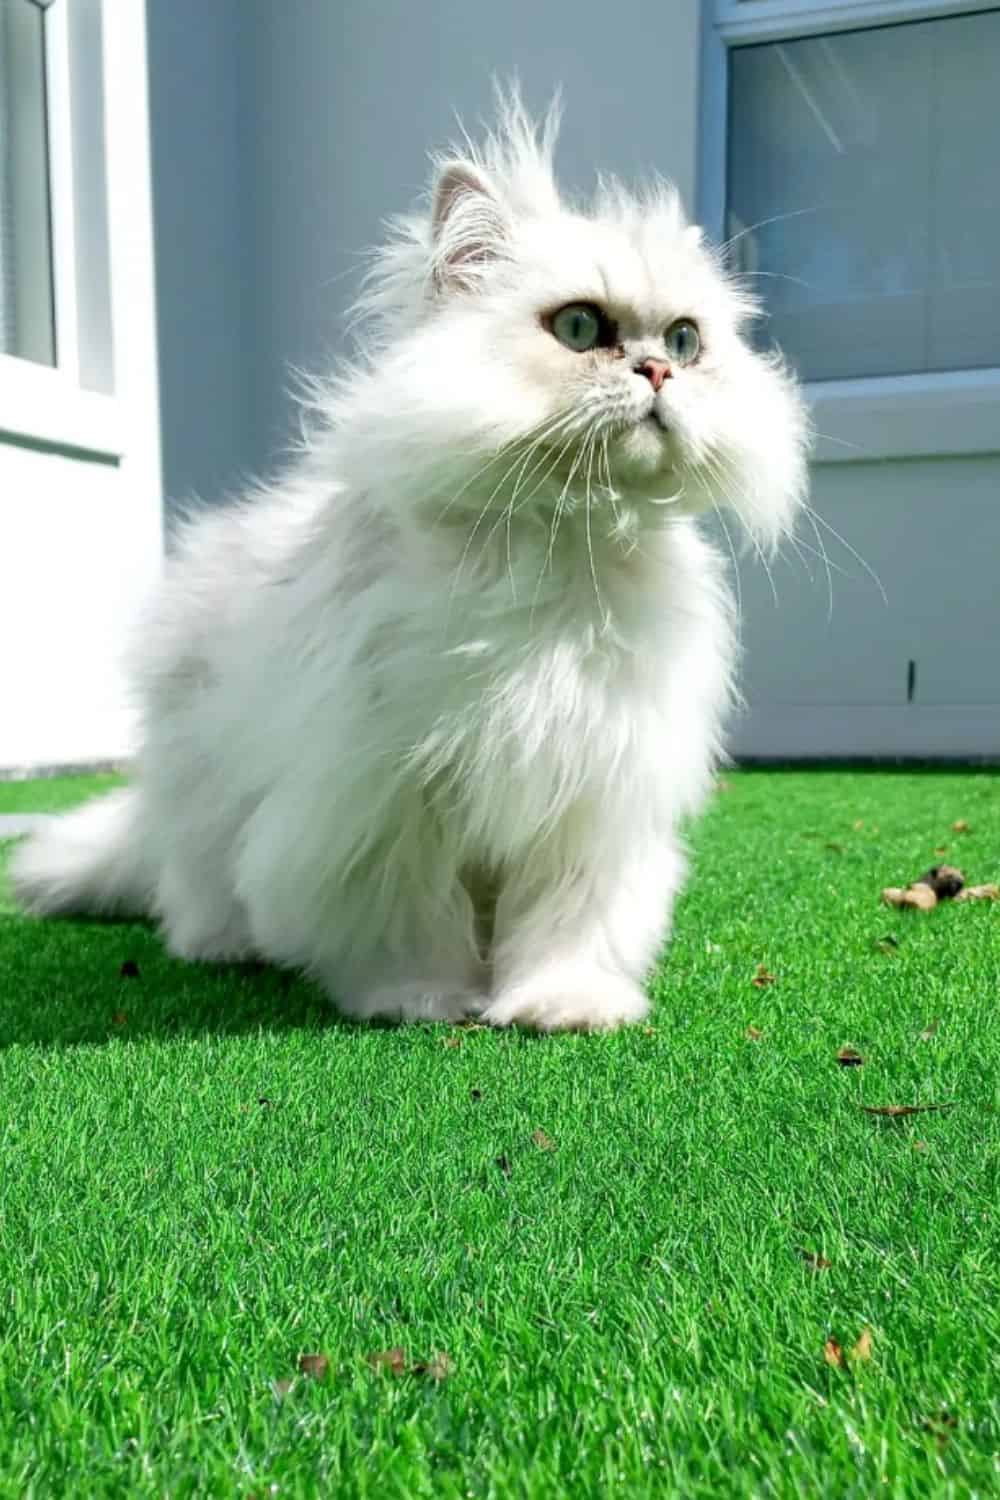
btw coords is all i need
(416, 1000)
(569, 1000)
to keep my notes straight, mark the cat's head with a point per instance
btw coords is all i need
(527, 347)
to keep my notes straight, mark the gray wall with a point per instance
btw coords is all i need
(284, 133)
(207, 267)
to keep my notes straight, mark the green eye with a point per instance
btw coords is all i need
(578, 326)
(683, 341)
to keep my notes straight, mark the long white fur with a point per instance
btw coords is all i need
(423, 717)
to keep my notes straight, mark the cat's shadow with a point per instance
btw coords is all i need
(75, 981)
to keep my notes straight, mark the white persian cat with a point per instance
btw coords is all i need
(422, 718)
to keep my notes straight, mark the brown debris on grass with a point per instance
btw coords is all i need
(863, 1348)
(838, 1357)
(315, 1366)
(939, 883)
(900, 1111)
(918, 895)
(988, 892)
(438, 1367)
(848, 1057)
(393, 1360)
(763, 977)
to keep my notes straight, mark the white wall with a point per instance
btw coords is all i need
(80, 530)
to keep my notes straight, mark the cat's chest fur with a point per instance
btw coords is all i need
(522, 713)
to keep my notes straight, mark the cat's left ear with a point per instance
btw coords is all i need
(467, 223)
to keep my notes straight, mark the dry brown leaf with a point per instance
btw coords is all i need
(752, 1034)
(940, 1427)
(119, 1018)
(900, 1111)
(389, 1359)
(960, 826)
(929, 1030)
(919, 1145)
(451, 1041)
(941, 849)
(849, 1058)
(944, 880)
(314, 1365)
(859, 823)
(649, 1031)
(762, 977)
(979, 893)
(863, 1348)
(833, 1354)
(438, 1367)
(815, 1262)
(919, 895)
(543, 1142)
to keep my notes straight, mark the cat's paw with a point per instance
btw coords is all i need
(415, 1000)
(585, 1000)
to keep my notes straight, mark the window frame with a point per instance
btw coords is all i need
(45, 404)
(870, 417)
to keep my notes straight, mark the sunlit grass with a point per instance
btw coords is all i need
(205, 1175)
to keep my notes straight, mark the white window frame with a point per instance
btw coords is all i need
(885, 416)
(46, 404)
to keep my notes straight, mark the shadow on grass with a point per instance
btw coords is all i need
(68, 981)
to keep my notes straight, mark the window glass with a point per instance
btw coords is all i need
(862, 195)
(27, 324)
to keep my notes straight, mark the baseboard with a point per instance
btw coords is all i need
(77, 768)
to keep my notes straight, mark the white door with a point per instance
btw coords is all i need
(80, 488)
(851, 162)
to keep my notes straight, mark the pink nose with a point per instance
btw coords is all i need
(656, 371)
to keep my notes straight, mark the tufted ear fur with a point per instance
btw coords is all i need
(468, 225)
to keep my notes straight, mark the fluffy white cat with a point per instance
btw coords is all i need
(422, 717)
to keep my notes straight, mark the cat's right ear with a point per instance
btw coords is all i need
(468, 227)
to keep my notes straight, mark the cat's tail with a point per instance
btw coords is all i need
(90, 860)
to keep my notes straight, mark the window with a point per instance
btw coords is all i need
(27, 313)
(861, 171)
(847, 156)
(56, 333)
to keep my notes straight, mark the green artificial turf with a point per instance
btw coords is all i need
(206, 1176)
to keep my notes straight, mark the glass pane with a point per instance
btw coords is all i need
(90, 197)
(27, 323)
(872, 157)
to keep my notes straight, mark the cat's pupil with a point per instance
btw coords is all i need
(578, 326)
(683, 341)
